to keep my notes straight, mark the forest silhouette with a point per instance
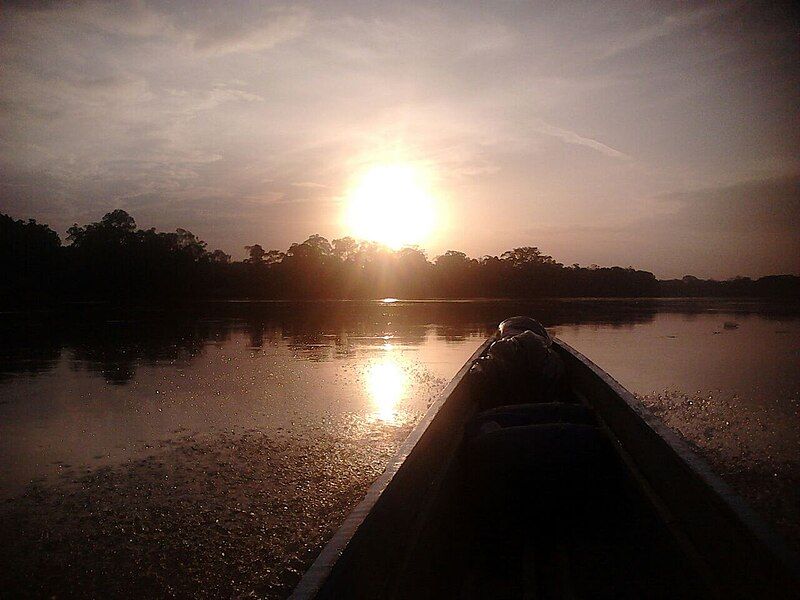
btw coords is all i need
(112, 259)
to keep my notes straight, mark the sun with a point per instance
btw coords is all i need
(391, 204)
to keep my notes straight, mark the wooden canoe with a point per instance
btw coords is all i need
(683, 533)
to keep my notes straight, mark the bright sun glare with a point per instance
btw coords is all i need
(386, 383)
(391, 205)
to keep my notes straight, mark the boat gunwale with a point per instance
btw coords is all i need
(738, 511)
(737, 508)
(317, 574)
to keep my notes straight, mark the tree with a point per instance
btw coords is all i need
(256, 254)
(189, 244)
(319, 243)
(119, 219)
(453, 259)
(315, 246)
(113, 259)
(274, 257)
(219, 257)
(526, 255)
(345, 248)
(30, 255)
(411, 255)
(115, 228)
(26, 239)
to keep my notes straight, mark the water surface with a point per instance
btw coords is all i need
(280, 414)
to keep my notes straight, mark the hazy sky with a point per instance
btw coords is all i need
(664, 136)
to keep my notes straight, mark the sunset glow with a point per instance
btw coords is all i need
(260, 259)
(392, 205)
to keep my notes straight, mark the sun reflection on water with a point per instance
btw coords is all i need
(386, 384)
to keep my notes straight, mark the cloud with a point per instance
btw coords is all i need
(570, 137)
(218, 95)
(203, 28)
(232, 31)
(747, 228)
(309, 184)
(766, 206)
(127, 18)
(667, 25)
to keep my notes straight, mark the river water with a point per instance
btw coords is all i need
(273, 418)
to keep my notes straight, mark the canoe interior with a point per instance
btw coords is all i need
(657, 525)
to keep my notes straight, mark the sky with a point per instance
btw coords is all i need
(662, 136)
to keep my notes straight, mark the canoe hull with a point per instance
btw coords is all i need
(691, 535)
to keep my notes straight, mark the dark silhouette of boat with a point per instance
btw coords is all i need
(605, 502)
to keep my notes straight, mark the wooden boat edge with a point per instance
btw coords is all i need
(737, 508)
(316, 575)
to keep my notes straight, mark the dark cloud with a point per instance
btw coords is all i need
(748, 228)
(770, 206)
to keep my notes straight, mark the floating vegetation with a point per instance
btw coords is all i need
(237, 515)
(752, 443)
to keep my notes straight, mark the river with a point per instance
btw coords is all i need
(211, 449)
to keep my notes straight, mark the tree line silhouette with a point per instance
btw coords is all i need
(113, 259)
